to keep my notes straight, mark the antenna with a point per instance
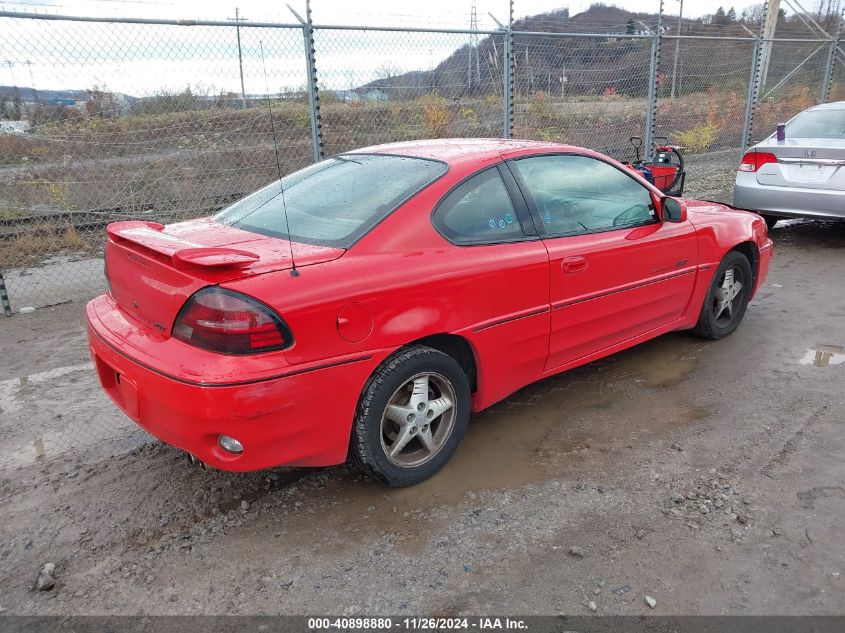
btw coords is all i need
(293, 271)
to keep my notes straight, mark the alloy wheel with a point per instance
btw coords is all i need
(418, 420)
(728, 296)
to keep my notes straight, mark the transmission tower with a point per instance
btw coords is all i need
(473, 63)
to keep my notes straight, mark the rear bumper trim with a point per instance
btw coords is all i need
(288, 374)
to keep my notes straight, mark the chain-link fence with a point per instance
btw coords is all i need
(403, 85)
(793, 83)
(127, 139)
(582, 90)
(113, 119)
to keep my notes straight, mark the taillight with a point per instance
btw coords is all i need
(231, 323)
(753, 161)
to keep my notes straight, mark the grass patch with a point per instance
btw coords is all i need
(45, 240)
(11, 214)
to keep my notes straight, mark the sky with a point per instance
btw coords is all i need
(430, 12)
(141, 60)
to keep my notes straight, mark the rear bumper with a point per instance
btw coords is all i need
(302, 418)
(787, 201)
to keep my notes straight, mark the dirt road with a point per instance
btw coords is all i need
(708, 476)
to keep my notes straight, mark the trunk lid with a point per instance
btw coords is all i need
(153, 269)
(809, 163)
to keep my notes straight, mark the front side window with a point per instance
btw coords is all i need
(478, 211)
(334, 202)
(578, 194)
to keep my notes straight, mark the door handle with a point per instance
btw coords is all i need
(574, 264)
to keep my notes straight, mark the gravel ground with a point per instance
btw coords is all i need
(697, 477)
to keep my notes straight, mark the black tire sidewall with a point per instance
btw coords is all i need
(367, 447)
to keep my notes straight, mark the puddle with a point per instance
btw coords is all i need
(569, 426)
(662, 362)
(824, 355)
(556, 428)
(540, 432)
(9, 400)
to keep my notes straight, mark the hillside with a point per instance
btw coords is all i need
(598, 65)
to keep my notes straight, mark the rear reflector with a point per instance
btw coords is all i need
(230, 323)
(230, 444)
(752, 161)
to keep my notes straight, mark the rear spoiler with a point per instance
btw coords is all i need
(182, 253)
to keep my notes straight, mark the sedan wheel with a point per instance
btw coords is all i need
(418, 420)
(727, 297)
(413, 414)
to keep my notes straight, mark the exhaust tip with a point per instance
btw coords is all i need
(195, 461)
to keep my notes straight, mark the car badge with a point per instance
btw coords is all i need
(810, 153)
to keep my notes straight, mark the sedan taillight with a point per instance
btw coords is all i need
(230, 323)
(752, 161)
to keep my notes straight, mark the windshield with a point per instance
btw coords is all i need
(334, 202)
(826, 123)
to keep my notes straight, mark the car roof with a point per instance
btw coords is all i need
(833, 105)
(461, 150)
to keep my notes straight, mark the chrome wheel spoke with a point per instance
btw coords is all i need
(721, 303)
(726, 294)
(405, 436)
(419, 395)
(427, 440)
(398, 413)
(438, 407)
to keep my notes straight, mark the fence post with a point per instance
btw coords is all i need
(313, 90)
(4, 296)
(831, 59)
(753, 91)
(754, 82)
(508, 76)
(651, 112)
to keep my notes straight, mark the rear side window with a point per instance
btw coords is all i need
(478, 211)
(334, 202)
(825, 123)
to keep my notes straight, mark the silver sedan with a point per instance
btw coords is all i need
(802, 176)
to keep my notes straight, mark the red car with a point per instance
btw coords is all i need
(367, 304)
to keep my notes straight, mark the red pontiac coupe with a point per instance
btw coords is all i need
(362, 307)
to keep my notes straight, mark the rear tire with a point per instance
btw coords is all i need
(771, 220)
(727, 298)
(412, 415)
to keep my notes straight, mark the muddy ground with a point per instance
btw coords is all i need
(708, 476)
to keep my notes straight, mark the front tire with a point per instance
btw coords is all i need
(412, 415)
(727, 298)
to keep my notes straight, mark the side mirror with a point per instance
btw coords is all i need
(674, 210)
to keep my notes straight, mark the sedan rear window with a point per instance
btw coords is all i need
(826, 123)
(335, 201)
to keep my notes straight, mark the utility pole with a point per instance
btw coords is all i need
(677, 46)
(238, 19)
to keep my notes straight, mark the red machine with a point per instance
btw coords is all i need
(665, 171)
